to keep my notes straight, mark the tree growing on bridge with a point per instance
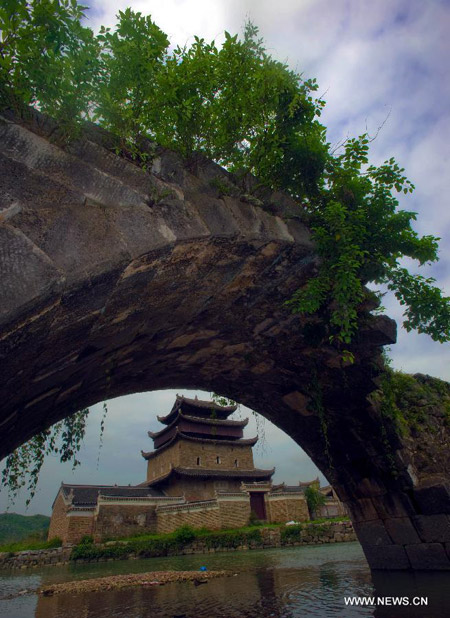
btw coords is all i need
(245, 110)
(248, 112)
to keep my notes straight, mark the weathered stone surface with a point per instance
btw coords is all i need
(433, 528)
(393, 504)
(401, 530)
(388, 557)
(372, 533)
(428, 557)
(116, 280)
(363, 510)
(433, 499)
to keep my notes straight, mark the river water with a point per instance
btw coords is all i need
(279, 583)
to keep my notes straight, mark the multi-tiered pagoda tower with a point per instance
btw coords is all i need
(200, 452)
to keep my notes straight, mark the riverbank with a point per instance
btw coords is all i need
(185, 541)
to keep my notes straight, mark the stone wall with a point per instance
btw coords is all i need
(116, 520)
(316, 534)
(34, 558)
(125, 517)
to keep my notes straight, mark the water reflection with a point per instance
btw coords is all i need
(287, 583)
(435, 587)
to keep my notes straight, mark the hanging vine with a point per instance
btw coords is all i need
(23, 466)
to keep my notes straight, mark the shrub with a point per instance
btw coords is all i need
(291, 534)
(184, 535)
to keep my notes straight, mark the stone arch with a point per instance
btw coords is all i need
(115, 280)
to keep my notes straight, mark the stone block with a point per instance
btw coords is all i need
(372, 533)
(433, 500)
(393, 505)
(392, 557)
(433, 528)
(428, 556)
(447, 549)
(369, 487)
(363, 510)
(401, 530)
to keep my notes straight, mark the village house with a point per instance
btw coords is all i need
(201, 472)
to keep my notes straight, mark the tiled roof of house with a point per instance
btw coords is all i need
(199, 419)
(199, 472)
(199, 404)
(184, 436)
(294, 489)
(86, 495)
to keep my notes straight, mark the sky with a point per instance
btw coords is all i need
(378, 64)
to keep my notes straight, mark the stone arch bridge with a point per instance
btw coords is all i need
(117, 280)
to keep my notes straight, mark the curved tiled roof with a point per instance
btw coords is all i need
(86, 495)
(197, 403)
(256, 473)
(199, 419)
(179, 434)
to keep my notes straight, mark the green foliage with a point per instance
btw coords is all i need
(148, 546)
(232, 538)
(23, 466)
(184, 535)
(130, 59)
(292, 534)
(47, 58)
(314, 499)
(15, 527)
(407, 400)
(30, 543)
(240, 107)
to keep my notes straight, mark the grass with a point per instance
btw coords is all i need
(30, 544)
(159, 544)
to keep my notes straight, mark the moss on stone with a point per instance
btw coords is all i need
(414, 402)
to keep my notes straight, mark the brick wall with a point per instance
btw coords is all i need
(200, 515)
(208, 453)
(79, 524)
(332, 508)
(225, 512)
(234, 511)
(185, 453)
(58, 521)
(276, 509)
(285, 507)
(161, 464)
(199, 489)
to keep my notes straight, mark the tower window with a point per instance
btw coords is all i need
(198, 461)
(218, 459)
(236, 463)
